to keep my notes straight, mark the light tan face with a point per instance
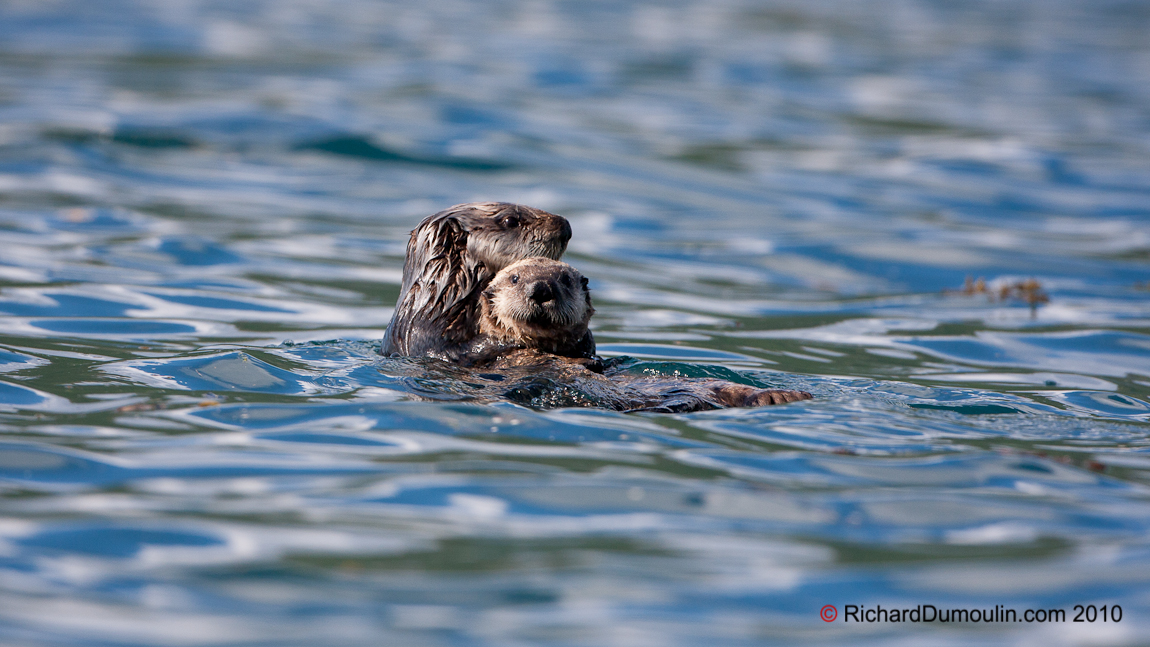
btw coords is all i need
(537, 298)
(510, 232)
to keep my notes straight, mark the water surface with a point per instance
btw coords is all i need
(203, 213)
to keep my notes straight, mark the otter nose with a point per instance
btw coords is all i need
(540, 292)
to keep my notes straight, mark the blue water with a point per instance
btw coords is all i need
(203, 213)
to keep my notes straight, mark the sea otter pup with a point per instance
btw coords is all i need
(451, 257)
(533, 327)
(538, 304)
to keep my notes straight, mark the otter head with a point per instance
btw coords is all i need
(506, 233)
(541, 304)
(451, 257)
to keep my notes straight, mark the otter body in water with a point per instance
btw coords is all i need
(451, 257)
(533, 325)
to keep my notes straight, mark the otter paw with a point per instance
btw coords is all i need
(740, 395)
(593, 364)
(765, 397)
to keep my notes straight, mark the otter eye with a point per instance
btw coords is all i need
(514, 278)
(510, 222)
(566, 280)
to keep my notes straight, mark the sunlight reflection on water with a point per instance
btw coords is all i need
(203, 215)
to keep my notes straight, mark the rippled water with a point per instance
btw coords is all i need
(203, 212)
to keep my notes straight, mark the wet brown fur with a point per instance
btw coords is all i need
(451, 257)
(541, 304)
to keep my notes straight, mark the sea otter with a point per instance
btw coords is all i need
(533, 332)
(451, 257)
(538, 304)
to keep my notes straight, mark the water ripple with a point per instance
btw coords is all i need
(203, 218)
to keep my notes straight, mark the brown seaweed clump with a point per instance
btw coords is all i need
(1028, 291)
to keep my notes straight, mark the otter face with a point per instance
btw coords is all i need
(451, 257)
(538, 302)
(511, 232)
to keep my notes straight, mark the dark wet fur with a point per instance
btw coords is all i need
(451, 257)
(546, 381)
